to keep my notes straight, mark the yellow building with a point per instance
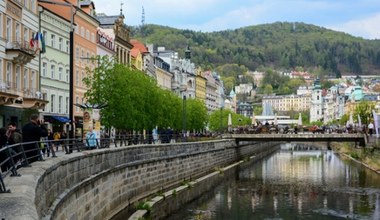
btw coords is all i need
(200, 86)
(288, 102)
(164, 78)
(137, 54)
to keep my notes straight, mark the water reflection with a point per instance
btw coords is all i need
(293, 184)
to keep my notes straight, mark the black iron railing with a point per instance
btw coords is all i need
(13, 157)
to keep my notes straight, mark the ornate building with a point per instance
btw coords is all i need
(19, 72)
(114, 27)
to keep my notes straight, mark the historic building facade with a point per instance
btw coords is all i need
(19, 73)
(114, 27)
(55, 69)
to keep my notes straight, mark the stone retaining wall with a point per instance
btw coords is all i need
(98, 184)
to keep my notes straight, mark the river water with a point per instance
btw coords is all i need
(292, 184)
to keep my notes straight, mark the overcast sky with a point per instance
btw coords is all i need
(356, 17)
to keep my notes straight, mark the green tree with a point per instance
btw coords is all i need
(196, 113)
(364, 110)
(268, 89)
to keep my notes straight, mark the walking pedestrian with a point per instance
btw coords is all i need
(370, 128)
(32, 132)
(91, 139)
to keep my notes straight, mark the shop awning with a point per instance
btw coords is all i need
(63, 119)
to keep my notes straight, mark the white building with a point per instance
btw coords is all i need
(326, 105)
(244, 88)
(55, 69)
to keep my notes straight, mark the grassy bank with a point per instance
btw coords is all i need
(369, 156)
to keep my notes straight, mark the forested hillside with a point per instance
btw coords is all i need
(280, 45)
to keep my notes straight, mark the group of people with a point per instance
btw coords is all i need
(31, 133)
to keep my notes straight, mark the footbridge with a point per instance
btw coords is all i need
(360, 139)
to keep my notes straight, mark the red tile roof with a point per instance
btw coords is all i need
(138, 45)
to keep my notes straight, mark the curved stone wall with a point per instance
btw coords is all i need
(98, 184)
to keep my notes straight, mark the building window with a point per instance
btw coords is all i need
(9, 73)
(60, 43)
(77, 102)
(44, 69)
(26, 5)
(60, 73)
(1, 71)
(67, 75)
(33, 5)
(67, 46)
(60, 99)
(18, 32)
(18, 77)
(77, 78)
(26, 78)
(44, 33)
(33, 80)
(52, 40)
(93, 37)
(8, 30)
(77, 53)
(52, 73)
(82, 31)
(26, 34)
(87, 34)
(67, 105)
(52, 100)
(1, 25)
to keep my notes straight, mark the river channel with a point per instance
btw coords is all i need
(292, 184)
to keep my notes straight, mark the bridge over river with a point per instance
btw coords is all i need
(361, 139)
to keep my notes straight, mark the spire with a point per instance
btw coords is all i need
(121, 8)
(188, 53)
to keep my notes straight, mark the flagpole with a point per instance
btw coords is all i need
(40, 10)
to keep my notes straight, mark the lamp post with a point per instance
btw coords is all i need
(221, 120)
(71, 62)
(184, 118)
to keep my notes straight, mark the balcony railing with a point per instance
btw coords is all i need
(13, 88)
(20, 45)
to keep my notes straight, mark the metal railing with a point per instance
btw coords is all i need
(13, 157)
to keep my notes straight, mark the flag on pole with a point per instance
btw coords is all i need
(43, 45)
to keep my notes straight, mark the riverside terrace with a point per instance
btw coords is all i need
(13, 157)
(359, 138)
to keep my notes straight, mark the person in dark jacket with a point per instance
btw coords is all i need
(14, 135)
(32, 132)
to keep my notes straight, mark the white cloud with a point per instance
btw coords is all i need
(367, 27)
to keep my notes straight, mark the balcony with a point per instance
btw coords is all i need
(20, 52)
(12, 95)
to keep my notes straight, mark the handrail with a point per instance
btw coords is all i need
(13, 157)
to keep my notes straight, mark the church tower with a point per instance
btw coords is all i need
(316, 107)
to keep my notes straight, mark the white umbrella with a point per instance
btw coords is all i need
(229, 119)
(351, 119)
(275, 119)
(253, 119)
(359, 121)
(299, 119)
(229, 123)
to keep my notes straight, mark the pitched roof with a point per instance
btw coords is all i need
(107, 20)
(139, 46)
(135, 52)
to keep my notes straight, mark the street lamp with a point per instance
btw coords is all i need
(71, 95)
(184, 118)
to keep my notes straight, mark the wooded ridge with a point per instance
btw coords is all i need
(280, 45)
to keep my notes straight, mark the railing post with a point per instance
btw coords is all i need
(13, 165)
(24, 156)
(3, 189)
